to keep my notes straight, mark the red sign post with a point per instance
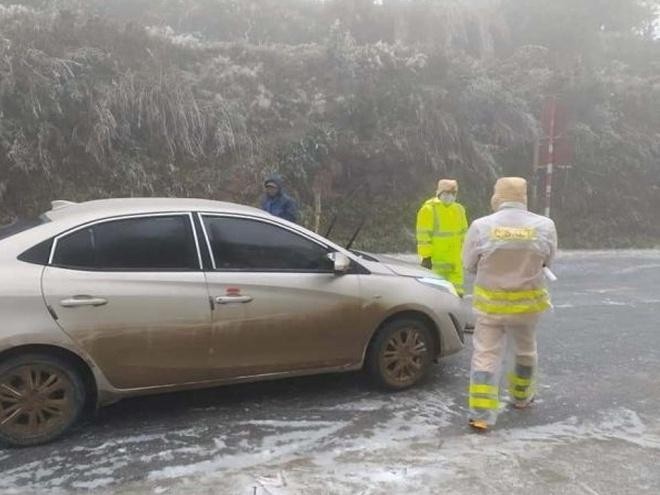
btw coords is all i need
(555, 147)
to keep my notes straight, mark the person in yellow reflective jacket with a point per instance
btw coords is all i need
(441, 228)
(508, 251)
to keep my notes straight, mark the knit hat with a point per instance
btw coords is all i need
(509, 190)
(447, 185)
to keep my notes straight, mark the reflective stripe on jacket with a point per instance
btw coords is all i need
(508, 250)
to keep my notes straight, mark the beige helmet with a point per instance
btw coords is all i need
(509, 190)
(447, 185)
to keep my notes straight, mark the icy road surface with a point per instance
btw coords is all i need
(594, 430)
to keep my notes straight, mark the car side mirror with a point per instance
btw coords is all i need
(342, 263)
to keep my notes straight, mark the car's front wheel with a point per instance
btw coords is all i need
(41, 397)
(400, 354)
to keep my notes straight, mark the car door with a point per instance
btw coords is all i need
(279, 306)
(131, 292)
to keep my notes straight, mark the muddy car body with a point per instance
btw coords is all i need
(115, 298)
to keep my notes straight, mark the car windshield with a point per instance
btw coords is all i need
(20, 225)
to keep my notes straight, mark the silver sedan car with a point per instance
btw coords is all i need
(115, 298)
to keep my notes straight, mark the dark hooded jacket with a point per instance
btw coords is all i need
(282, 205)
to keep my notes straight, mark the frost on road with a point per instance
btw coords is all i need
(594, 430)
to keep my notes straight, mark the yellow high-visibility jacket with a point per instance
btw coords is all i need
(441, 231)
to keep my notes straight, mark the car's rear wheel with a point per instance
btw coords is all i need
(400, 354)
(41, 397)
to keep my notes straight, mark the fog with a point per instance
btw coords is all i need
(361, 106)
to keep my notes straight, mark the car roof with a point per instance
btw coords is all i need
(62, 210)
(66, 215)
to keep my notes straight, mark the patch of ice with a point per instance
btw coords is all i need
(171, 454)
(638, 268)
(203, 409)
(120, 441)
(96, 483)
(278, 423)
(614, 290)
(610, 302)
(277, 481)
(43, 473)
(372, 465)
(594, 304)
(55, 482)
(114, 445)
(420, 417)
(365, 405)
(24, 473)
(619, 253)
(272, 447)
(106, 470)
(53, 472)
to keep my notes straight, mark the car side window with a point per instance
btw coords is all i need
(131, 244)
(253, 245)
(75, 250)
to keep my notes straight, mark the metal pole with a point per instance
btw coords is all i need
(551, 157)
(534, 200)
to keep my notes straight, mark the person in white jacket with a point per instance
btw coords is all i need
(507, 251)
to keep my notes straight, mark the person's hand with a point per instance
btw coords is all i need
(427, 263)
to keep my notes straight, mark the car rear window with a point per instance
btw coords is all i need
(132, 244)
(20, 225)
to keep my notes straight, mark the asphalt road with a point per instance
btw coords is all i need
(595, 428)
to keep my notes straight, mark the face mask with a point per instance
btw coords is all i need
(447, 198)
(271, 190)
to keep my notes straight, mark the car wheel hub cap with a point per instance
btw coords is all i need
(404, 356)
(34, 400)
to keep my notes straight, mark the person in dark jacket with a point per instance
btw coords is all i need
(277, 202)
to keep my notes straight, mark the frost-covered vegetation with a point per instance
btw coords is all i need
(360, 105)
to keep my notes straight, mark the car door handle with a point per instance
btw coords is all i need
(233, 299)
(77, 301)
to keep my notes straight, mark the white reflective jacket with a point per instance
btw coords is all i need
(508, 250)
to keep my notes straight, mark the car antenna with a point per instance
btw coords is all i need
(332, 226)
(356, 233)
(336, 215)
